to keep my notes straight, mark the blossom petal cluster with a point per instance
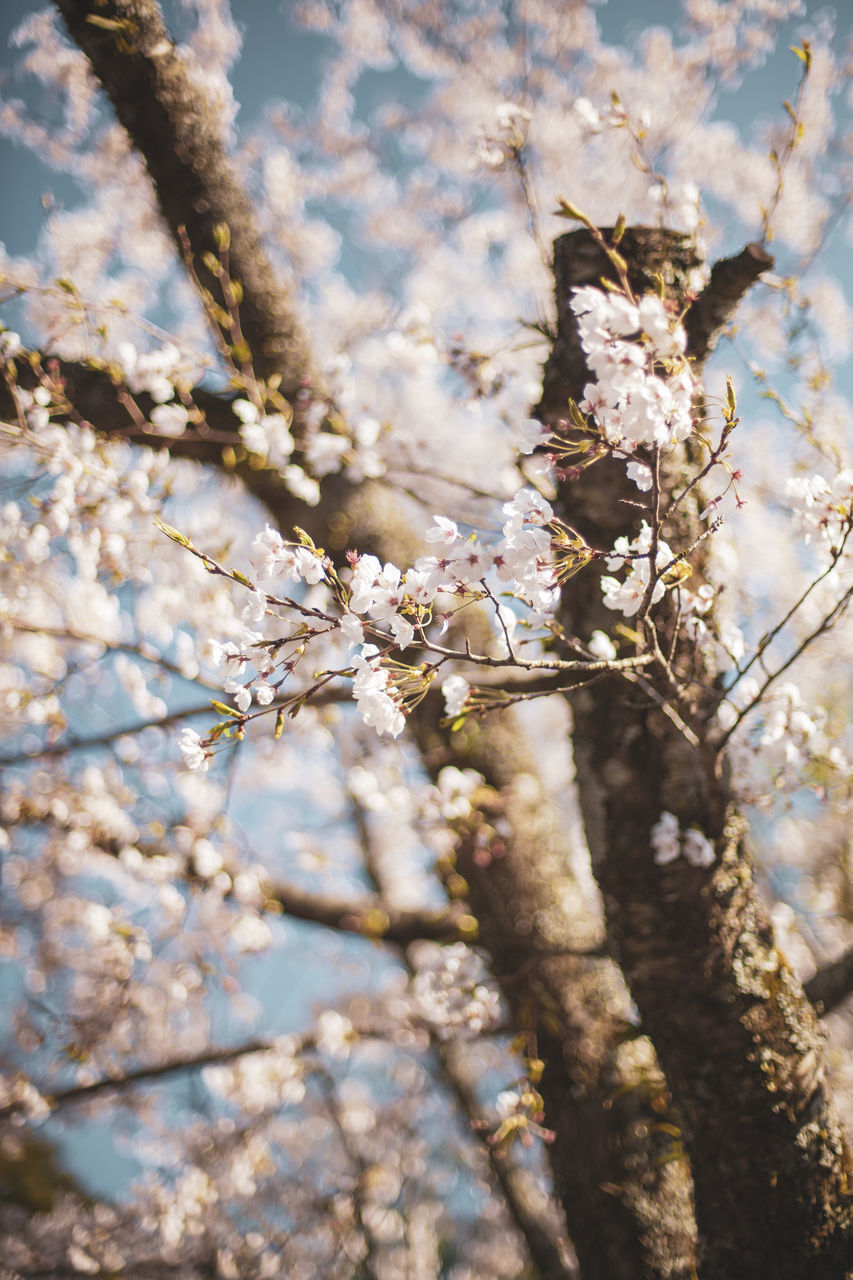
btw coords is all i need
(373, 691)
(628, 594)
(455, 690)
(265, 434)
(669, 843)
(382, 602)
(451, 992)
(823, 509)
(644, 388)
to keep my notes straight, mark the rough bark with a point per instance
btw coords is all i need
(738, 1040)
(628, 1207)
(178, 135)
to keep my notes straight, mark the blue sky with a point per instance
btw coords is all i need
(279, 61)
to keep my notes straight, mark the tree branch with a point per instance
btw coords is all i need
(831, 985)
(144, 1075)
(546, 1249)
(56, 749)
(375, 918)
(97, 399)
(730, 279)
(172, 125)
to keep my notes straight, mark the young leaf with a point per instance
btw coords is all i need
(225, 710)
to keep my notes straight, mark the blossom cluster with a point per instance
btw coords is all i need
(512, 121)
(261, 1081)
(457, 249)
(823, 509)
(267, 435)
(389, 604)
(641, 400)
(629, 594)
(450, 991)
(373, 690)
(644, 388)
(669, 843)
(784, 733)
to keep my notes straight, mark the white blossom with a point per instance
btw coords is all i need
(698, 849)
(601, 646)
(372, 691)
(169, 419)
(444, 530)
(455, 690)
(194, 754)
(531, 434)
(665, 838)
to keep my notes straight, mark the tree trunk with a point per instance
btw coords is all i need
(738, 1040)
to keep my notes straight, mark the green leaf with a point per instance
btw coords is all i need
(171, 532)
(568, 210)
(576, 416)
(804, 54)
(306, 540)
(225, 710)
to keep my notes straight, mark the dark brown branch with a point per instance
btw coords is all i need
(361, 1169)
(56, 749)
(97, 399)
(374, 918)
(150, 1269)
(93, 397)
(173, 127)
(832, 985)
(144, 1075)
(546, 1252)
(730, 279)
(300, 1044)
(628, 1207)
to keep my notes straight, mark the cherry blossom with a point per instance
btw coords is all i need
(669, 843)
(629, 594)
(372, 691)
(455, 690)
